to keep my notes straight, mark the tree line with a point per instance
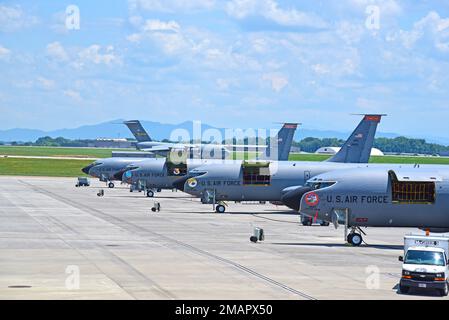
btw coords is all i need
(309, 144)
(393, 145)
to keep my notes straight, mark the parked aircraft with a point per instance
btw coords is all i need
(380, 196)
(202, 151)
(106, 169)
(166, 173)
(273, 180)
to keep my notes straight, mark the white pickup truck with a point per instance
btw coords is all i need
(425, 263)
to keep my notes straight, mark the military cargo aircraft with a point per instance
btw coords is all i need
(106, 169)
(166, 173)
(380, 196)
(272, 180)
(203, 151)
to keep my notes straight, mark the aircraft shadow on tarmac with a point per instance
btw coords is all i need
(341, 245)
(244, 213)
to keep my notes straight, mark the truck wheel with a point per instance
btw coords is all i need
(110, 185)
(356, 239)
(324, 224)
(150, 194)
(220, 208)
(444, 292)
(253, 239)
(403, 289)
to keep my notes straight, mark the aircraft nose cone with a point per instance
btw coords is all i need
(119, 175)
(310, 205)
(292, 199)
(87, 169)
(180, 183)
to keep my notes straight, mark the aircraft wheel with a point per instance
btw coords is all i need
(111, 185)
(307, 222)
(349, 238)
(220, 208)
(150, 194)
(356, 239)
(253, 239)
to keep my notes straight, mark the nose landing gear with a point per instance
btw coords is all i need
(220, 208)
(150, 193)
(354, 237)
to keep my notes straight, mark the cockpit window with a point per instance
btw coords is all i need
(316, 185)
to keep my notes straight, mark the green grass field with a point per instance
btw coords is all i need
(58, 152)
(42, 167)
(72, 168)
(376, 159)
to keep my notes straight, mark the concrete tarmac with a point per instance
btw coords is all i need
(62, 242)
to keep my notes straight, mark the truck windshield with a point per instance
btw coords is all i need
(424, 257)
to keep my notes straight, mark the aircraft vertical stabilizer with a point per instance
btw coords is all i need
(284, 143)
(137, 130)
(357, 149)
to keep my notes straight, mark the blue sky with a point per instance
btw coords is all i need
(229, 63)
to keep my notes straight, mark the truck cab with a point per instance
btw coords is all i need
(425, 264)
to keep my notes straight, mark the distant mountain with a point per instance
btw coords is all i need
(160, 131)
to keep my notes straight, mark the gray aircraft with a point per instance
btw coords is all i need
(166, 174)
(106, 169)
(380, 196)
(202, 151)
(271, 180)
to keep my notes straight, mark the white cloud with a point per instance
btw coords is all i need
(171, 5)
(270, 10)
(45, 83)
(168, 35)
(350, 33)
(13, 18)
(135, 37)
(278, 82)
(56, 51)
(4, 53)
(320, 69)
(225, 84)
(387, 7)
(97, 55)
(75, 95)
(158, 25)
(432, 29)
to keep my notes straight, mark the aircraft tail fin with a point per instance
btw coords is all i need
(284, 143)
(137, 130)
(357, 149)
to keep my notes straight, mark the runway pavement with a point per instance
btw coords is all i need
(62, 242)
